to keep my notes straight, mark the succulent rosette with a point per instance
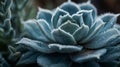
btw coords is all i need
(72, 35)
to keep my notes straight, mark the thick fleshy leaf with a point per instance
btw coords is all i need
(104, 39)
(70, 7)
(115, 41)
(109, 20)
(112, 54)
(45, 29)
(63, 37)
(28, 58)
(87, 17)
(53, 61)
(89, 6)
(64, 19)
(88, 55)
(78, 18)
(117, 26)
(44, 14)
(69, 27)
(65, 48)
(109, 17)
(94, 30)
(35, 45)
(32, 31)
(59, 12)
(81, 32)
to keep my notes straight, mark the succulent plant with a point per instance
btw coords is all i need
(72, 35)
(6, 30)
(7, 35)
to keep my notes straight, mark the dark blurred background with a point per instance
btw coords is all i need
(103, 6)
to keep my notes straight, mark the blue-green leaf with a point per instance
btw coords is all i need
(87, 17)
(109, 17)
(103, 39)
(89, 6)
(109, 20)
(59, 12)
(70, 7)
(35, 45)
(94, 30)
(65, 48)
(88, 55)
(117, 26)
(32, 31)
(44, 14)
(78, 18)
(28, 58)
(45, 29)
(53, 61)
(69, 27)
(63, 37)
(112, 54)
(81, 32)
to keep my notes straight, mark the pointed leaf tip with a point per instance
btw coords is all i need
(89, 1)
(69, 0)
(71, 7)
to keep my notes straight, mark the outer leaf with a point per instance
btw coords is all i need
(109, 17)
(88, 55)
(36, 45)
(28, 58)
(65, 48)
(112, 54)
(109, 20)
(45, 29)
(63, 37)
(103, 39)
(70, 7)
(94, 30)
(53, 61)
(32, 31)
(117, 26)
